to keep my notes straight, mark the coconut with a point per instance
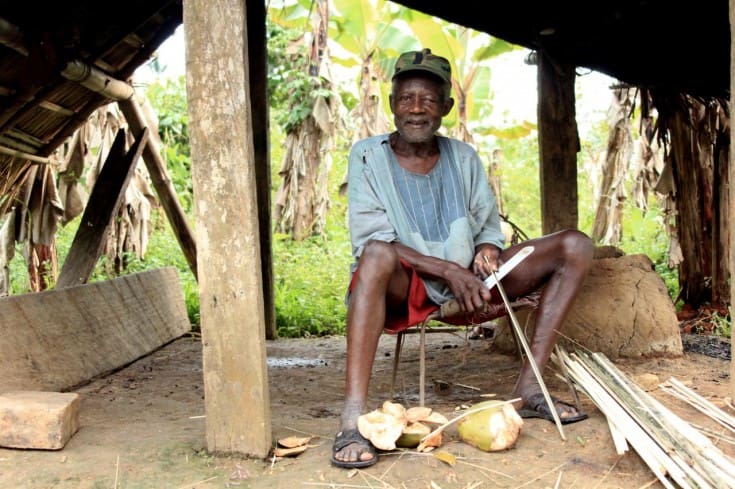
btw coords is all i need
(412, 435)
(491, 426)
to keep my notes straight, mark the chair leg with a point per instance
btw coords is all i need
(396, 358)
(422, 364)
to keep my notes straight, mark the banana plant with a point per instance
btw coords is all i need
(470, 53)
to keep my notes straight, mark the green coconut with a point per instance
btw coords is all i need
(412, 435)
(491, 426)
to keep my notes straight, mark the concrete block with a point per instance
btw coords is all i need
(37, 419)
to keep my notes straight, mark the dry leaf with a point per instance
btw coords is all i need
(446, 457)
(294, 441)
(289, 452)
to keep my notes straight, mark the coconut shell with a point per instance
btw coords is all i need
(495, 426)
(382, 429)
(412, 435)
(396, 410)
(417, 413)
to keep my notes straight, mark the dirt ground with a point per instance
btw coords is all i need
(144, 426)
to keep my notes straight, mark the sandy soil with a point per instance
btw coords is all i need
(144, 426)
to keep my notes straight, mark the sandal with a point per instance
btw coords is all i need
(347, 437)
(536, 407)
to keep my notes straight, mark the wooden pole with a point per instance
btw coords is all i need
(258, 65)
(162, 183)
(236, 393)
(731, 227)
(558, 145)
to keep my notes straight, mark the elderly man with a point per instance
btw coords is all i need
(424, 227)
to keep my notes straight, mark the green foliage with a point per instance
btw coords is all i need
(290, 80)
(520, 191)
(311, 277)
(169, 99)
(722, 324)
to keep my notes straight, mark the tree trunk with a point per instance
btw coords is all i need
(698, 149)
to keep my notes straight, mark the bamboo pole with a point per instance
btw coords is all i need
(690, 458)
(23, 156)
(529, 356)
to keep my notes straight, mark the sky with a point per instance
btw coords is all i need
(514, 84)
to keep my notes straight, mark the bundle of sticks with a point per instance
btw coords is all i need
(677, 452)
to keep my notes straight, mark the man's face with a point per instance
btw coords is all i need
(418, 106)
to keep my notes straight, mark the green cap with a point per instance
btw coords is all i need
(424, 60)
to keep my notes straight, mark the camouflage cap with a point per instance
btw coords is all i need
(423, 60)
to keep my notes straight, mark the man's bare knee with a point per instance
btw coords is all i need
(379, 255)
(578, 247)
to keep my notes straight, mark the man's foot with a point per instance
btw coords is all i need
(536, 407)
(352, 450)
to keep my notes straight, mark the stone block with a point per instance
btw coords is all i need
(37, 419)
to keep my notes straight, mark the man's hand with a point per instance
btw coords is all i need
(487, 260)
(468, 289)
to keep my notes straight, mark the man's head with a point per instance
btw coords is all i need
(420, 95)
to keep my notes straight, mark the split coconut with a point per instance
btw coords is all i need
(394, 426)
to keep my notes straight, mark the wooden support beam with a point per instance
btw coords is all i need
(162, 182)
(258, 65)
(558, 145)
(237, 400)
(102, 206)
(731, 228)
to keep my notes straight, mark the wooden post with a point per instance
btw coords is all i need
(237, 401)
(731, 228)
(258, 65)
(558, 145)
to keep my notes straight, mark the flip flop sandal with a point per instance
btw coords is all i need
(536, 407)
(347, 437)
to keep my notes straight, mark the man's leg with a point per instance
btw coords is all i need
(381, 282)
(559, 264)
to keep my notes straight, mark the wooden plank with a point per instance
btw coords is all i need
(227, 229)
(104, 203)
(57, 339)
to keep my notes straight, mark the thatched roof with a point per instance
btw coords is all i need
(56, 58)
